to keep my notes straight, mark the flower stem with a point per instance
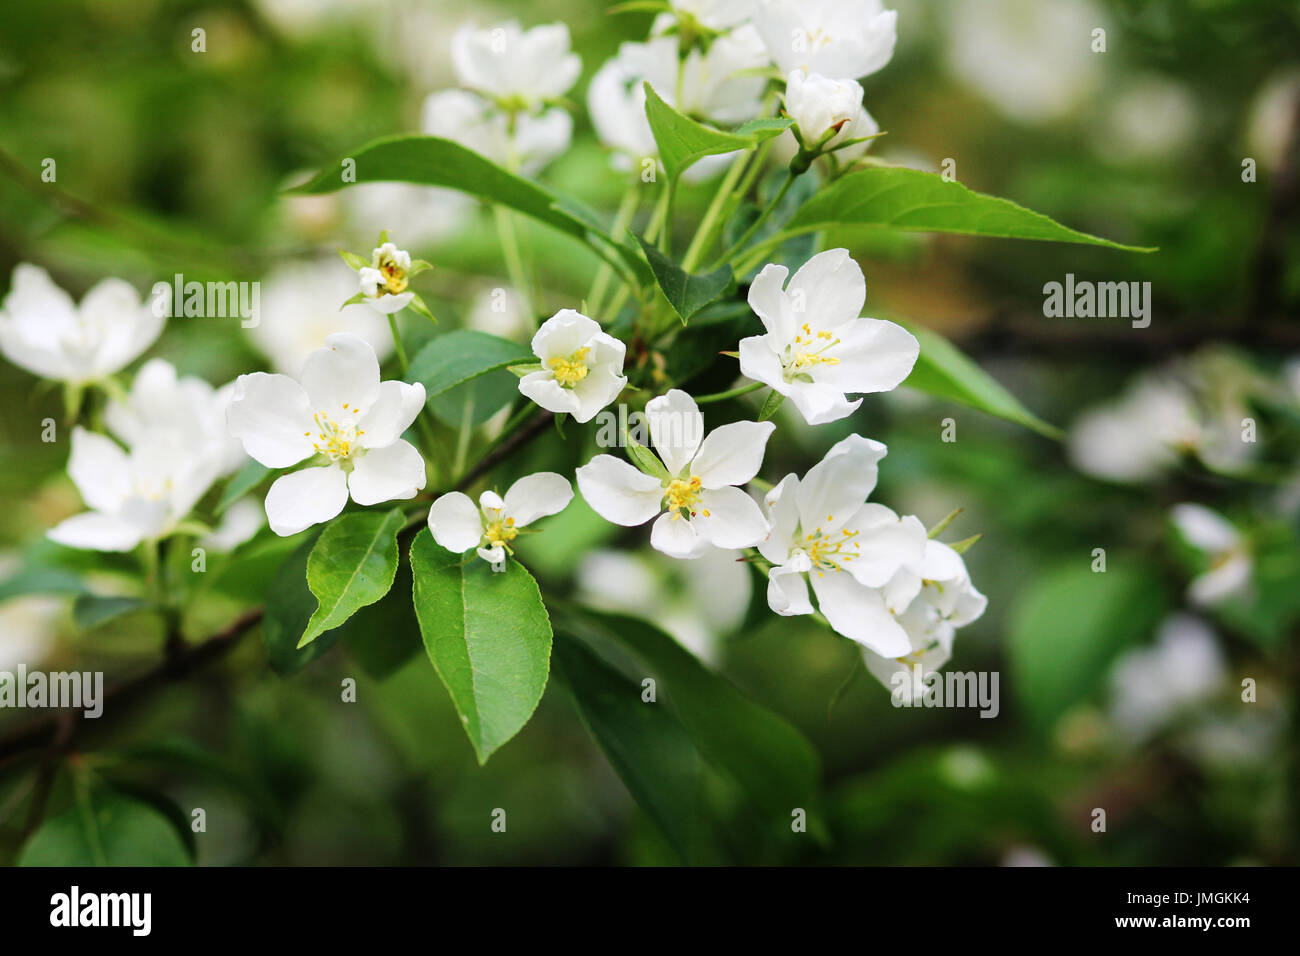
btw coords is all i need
(732, 393)
(626, 210)
(514, 260)
(740, 243)
(708, 225)
(398, 348)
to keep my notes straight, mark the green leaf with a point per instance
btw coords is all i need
(773, 763)
(42, 580)
(643, 741)
(646, 461)
(352, 565)
(771, 405)
(356, 262)
(488, 636)
(890, 197)
(289, 607)
(241, 483)
(682, 141)
(1068, 626)
(90, 611)
(431, 161)
(385, 635)
(946, 372)
(686, 292)
(466, 373)
(106, 828)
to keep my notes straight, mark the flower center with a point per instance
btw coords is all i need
(682, 496)
(572, 370)
(394, 275)
(828, 551)
(501, 532)
(808, 350)
(336, 439)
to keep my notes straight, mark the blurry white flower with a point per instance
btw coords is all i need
(133, 497)
(1152, 118)
(384, 281)
(930, 599)
(698, 498)
(823, 527)
(300, 310)
(714, 87)
(243, 519)
(477, 123)
(187, 413)
(1152, 684)
(1228, 553)
(1271, 115)
(582, 367)
(520, 69)
(816, 348)
(1026, 856)
(419, 214)
(818, 105)
(27, 629)
(1031, 60)
(340, 414)
(715, 14)
(45, 332)
(458, 524)
(843, 39)
(499, 311)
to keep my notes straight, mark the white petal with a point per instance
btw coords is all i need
(729, 518)
(391, 414)
(543, 389)
(676, 428)
(536, 496)
(783, 518)
(390, 473)
(835, 488)
(100, 470)
(874, 356)
(387, 304)
(883, 543)
(676, 537)
(820, 404)
(768, 300)
(272, 418)
(1221, 583)
(1204, 529)
(94, 531)
(303, 498)
(563, 334)
(859, 613)
(495, 556)
(732, 454)
(345, 371)
(455, 522)
(759, 362)
(832, 287)
(618, 492)
(787, 591)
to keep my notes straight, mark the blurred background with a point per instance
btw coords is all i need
(1120, 689)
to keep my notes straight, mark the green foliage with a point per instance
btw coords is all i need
(682, 141)
(488, 636)
(241, 483)
(687, 293)
(464, 375)
(352, 565)
(90, 611)
(106, 828)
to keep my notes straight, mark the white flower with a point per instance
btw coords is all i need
(816, 348)
(1150, 685)
(698, 499)
(421, 215)
(519, 68)
(133, 497)
(300, 310)
(715, 86)
(479, 124)
(930, 599)
(837, 38)
(715, 14)
(817, 104)
(582, 367)
(186, 412)
(239, 523)
(340, 414)
(1228, 551)
(45, 332)
(384, 281)
(458, 524)
(850, 549)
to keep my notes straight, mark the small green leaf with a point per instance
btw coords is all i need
(417, 306)
(771, 405)
(42, 580)
(352, 565)
(944, 371)
(965, 544)
(942, 526)
(355, 261)
(687, 293)
(488, 636)
(241, 483)
(355, 299)
(527, 368)
(106, 828)
(90, 611)
(891, 197)
(465, 370)
(682, 141)
(646, 460)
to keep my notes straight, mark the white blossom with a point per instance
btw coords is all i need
(384, 281)
(697, 500)
(844, 39)
(490, 526)
(518, 68)
(1150, 685)
(524, 146)
(816, 348)
(1225, 547)
(582, 367)
(818, 104)
(342, 416)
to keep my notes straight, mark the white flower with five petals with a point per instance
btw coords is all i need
(490, 526)
(826, 532)
(837, 38)
(696, 497)
(817, 348)
(384, 281)
(341, 415)
(518, 68)
(44, 331)
(524, 145)
(582, 367)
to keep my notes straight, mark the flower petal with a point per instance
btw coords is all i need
(543, 389)
(859, 613)
(618, 492)
(455, 522)
(760, 362)
(882, 543)
(873, 356)
(729, 518)
(732, 454)
(303, 498)
(820, 404)
(783, 518)
(836, 487)
(1204, 529)
(676, 537)
(94, 531)
(100, 469)
(768, 300)
(676, 427)
(787, 591)
(832, 288)
(563, 334)
(271, 416)
(536, 496)
(391, 414)
(390, 473)
(344, 372)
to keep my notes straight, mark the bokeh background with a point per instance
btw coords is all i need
(1119, 690)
